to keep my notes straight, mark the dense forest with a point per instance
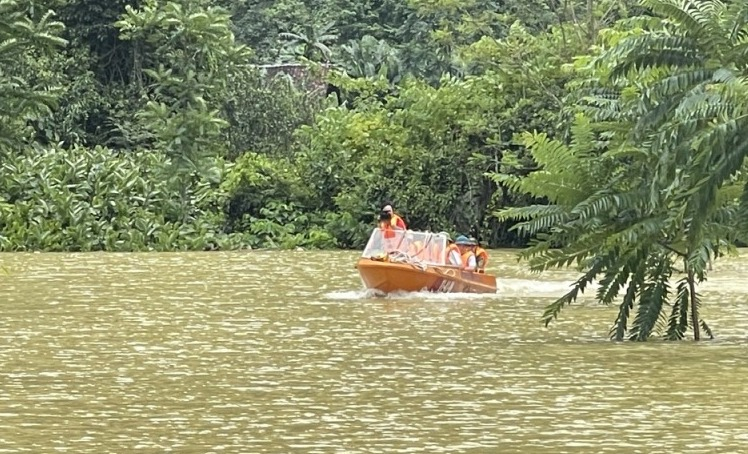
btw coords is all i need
(610, 135)
(214, 124)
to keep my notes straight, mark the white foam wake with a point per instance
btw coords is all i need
(504, 288)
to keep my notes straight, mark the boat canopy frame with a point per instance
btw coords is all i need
(427, 247)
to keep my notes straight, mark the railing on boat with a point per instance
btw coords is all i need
(426, 247)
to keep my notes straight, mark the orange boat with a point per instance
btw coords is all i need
(413, 261)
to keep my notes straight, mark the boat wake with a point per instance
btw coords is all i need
(518, 288)
(515, 288)
(424, 295)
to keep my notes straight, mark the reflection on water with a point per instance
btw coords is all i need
(260, 352)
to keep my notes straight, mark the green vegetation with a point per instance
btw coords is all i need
(650, 182)
(606, 135)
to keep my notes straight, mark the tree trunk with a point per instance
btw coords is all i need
(574, 19)
(694, 308)
(591, 26)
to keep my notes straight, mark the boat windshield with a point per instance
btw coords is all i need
(424, 246)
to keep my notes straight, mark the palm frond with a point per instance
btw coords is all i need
(652, 51)
(539, 217)
(620, 327)
(653, 297)
(552, 310)
(678, 320)
(706, 329)
(691, 19)
(607, 201)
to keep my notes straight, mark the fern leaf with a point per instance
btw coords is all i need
(654, 51)
(620, 327)
(528, 212)
(695, 24)
(678, 321)
(652, 299)
(553, 309)
(612, 283)
(706, 329)
(583, 248)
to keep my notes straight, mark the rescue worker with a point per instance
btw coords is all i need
(453, 252)
(481, 256)
(415, 247)
(466, 250)
(435, 251)
(391, 224)
(388, 218)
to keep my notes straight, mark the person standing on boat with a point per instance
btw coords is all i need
(393, 229)
(454, 256)
(388, 219)
(466, 249)
(481, 256)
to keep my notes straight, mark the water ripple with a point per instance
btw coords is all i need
(268, 352)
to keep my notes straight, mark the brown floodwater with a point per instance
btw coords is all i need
(283, 352)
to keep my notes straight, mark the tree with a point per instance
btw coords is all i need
(692, 115)
(193, 55)
(670, 138)
(369, 57)
(311, 42)
(264, 112)
(23, 44)
(433, 33)
(600, 217)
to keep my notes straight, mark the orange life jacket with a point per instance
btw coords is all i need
(435, 252)
(481, 257)
(466, 259)
(389, 230)
(415, 249)
(453, 247)
(397, 222)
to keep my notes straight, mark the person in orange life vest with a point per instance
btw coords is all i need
(453, 252)
(385, 225)
(466, 249)
(415, 247)
(432, 248)
(436, 250)
(388, 217)
(389, 222)
(481, 256)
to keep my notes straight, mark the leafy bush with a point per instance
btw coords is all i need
(267, 198)
(86, 199)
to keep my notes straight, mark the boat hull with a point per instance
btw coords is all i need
(391, 277)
